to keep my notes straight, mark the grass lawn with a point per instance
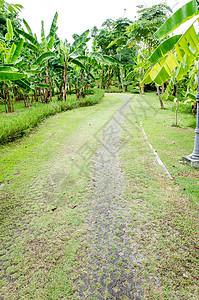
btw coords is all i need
(40, 232)
(163, 211)
(44, 190)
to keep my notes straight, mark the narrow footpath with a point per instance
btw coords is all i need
(111, 251)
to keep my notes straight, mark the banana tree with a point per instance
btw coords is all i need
(172, 53)
(9, 66)
(41, 53)
(68, 55)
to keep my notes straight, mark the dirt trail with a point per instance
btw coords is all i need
(111, 253)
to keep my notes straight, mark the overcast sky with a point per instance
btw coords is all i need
(76, 16)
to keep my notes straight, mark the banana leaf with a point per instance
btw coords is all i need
(24, 84)
(17, 51)
(9, 73)
(43, 57)
(43, 38)
(28, 37)
(182, 15)
(51, 41)
(164, 48)
(43, 85)
(10, 33)
(27, 27)
(191, 96)
(162, 71)
(78, 42)
(31, 47)
(77, 62)
(111, 60)
(53, 27)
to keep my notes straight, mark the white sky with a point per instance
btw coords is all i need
(80, 15)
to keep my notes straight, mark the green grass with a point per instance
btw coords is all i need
(23, 120)
(163, 211)
(41, 236)
(40, 246)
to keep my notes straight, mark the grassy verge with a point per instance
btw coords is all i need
(41, 182)
(15, 125)
(164, 216)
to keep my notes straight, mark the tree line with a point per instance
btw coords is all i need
(122, 54)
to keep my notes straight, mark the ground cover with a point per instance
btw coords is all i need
(46, 193)
(40, 230)
(164, 212)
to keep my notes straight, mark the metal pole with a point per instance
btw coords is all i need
(195, 154)
(193, 159)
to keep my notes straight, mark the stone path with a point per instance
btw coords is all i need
(111, 253)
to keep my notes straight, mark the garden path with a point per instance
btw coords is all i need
(111, 253)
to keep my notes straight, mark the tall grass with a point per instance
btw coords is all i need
(15, 125)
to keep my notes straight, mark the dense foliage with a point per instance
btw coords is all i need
(122, 51)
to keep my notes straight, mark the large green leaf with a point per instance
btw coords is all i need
(53, 27)
(43, 57)
(111, 60)
(183, 14)
(188, 45)
(162, 71)
(51, 41)
(28, 37)
(31, 47)
(130, 75)
(17, 52)
(43, 85)
(43, 38)
(9, 34)
(27, 27)
(97, 56)
(182, 55)
(77, 62)
(164, 48)
(10, 73)
(24, 84)
(9, 55)
(78, 42)
(6, 68)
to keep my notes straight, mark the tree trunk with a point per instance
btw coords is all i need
(159, 96)
(102, 80)
(163, 88)
(121, 73)
(65, 83)
(194, 108)
(141, 88)
(126, 86)
(110, 75)
(176, 119)
(47, 91)
(8, 105)
(40, 89)
(26, 100)
(61, 87)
